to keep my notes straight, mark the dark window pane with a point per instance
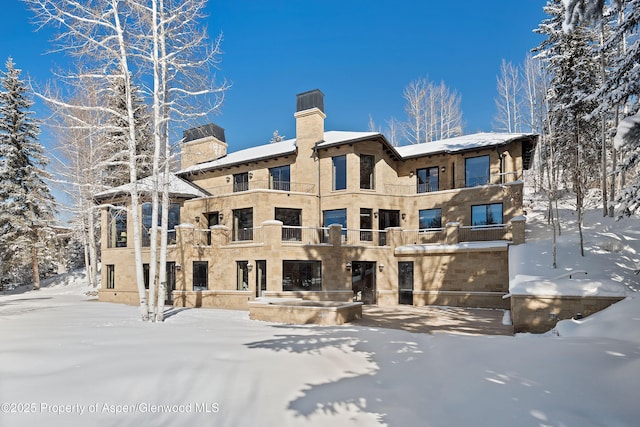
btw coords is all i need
(476, 171)
(367, 165)
(280, 178)
(430, 218)
(339, 172)
(427, 180)
(301, 276)
(200, 275)
(486, 214)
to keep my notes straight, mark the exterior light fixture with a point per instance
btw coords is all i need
(348, 266)
(375, 214)
(444, 169)
(381, 267)
(410, 174)
(221, 216)
(250, 175)
(249, 267)
(197, 219)
(228, 178)
(404, 216)
(178, 267)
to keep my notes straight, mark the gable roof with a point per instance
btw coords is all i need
(178, 188)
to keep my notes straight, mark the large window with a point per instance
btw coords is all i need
(339, 172)
(430, 218)
(117, 228)
(280, 178)
(292, 218)
(427, 180)
(242, 275)
(366, 224)
(243, 224)
(111, 276)
(486, 214)
(241, 182)
(174, 220)
(200, 275)
(367, 169)
(476, 171)
(301, 275)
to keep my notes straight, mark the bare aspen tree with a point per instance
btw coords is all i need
(508, 100)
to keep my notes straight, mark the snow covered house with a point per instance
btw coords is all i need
(332, 215)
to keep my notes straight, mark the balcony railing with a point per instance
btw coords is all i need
(247, 235)
(481, 233)
(305, 235)
(478, 181)
(286, 186)
(424, 236)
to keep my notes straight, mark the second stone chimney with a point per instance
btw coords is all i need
(309, 118)
(202, 144)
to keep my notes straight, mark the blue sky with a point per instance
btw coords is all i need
(361, 54)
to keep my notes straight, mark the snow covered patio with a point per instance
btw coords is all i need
(69, 361)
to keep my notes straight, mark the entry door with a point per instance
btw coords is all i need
(363, 281)
(405, 282)
(261, 277)
(387, 218)
(171, 282)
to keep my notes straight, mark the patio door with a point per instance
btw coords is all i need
(363, 281)
(386, 219)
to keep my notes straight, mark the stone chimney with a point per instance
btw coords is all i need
(309, 118)
(202, 144)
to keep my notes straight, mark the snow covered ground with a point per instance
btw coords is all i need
(68, 360)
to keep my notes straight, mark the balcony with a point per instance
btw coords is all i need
(478, 181)
(284, 186)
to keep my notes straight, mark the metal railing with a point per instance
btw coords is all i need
(445, 184)
(363, 237)
(481, 233)
(424, 236)
(247, 235)
(304, 235)
(286, 186)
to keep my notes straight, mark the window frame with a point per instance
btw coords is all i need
(428, 186)
(280, 183)
(118, 223)
(242, 233)
(476, 180)
(421, 213)
(487, 214)
(111, 276)
(195, 266)
(240, 182)
(302, 272)
(368, 178)
(339, 172)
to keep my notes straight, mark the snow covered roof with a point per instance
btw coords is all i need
(178, 187)
(268, 151)
(334, 138)
(252, 154)
(460, 143)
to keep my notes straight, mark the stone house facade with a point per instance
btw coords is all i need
(332, 215)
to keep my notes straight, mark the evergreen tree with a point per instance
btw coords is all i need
(26, 204)
(116, 171)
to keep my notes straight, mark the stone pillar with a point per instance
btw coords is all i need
(517, 229)
(219, 235)
(452, 229)
(184, 234)
(335, 235)
(272, 235)
(394, 237)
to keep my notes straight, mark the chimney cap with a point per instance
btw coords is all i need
(310, 99)
(203, 131)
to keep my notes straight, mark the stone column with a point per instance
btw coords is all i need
(219, 235)
(335, 235)
(452, 229)
(517, 229)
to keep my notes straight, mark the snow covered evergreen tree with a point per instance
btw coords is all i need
(116, 171)
(26, 204)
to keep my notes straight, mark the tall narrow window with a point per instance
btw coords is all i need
(111, 276)
(242, 275)
(174, 219)
(145, 275)
(200, 275)
(430, 218)
(280, 178)
(366, 225)
(261, 277)
(476, 171)
(367, 169)
(240, 182)
(243, 224)
(486, 214)
(117, 228)
(427, 180)
(339, 172)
